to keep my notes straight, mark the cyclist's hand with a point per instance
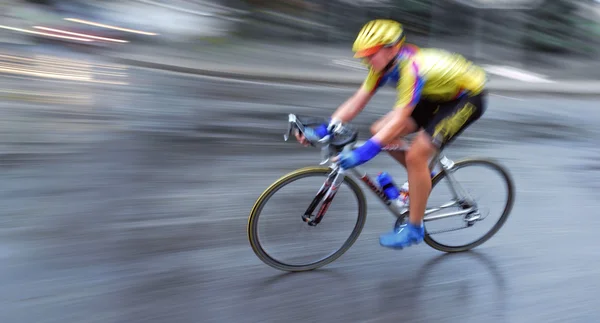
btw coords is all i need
(301, 139)
(334, 126)
(311, 134)
(348, 159)
(358, 156)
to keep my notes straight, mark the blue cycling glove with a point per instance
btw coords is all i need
(360, 155)
(315, 134)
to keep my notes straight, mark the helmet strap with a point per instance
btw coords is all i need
(394, 60)
(391, 63)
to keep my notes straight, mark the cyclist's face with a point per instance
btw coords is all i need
(380, 59)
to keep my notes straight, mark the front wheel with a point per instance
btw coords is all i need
(297, 209)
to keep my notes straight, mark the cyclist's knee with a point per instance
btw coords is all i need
(415, 157)
(378, 125)
(420, 151)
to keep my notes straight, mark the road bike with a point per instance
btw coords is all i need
(345, 138)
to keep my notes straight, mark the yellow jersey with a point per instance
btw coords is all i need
(430, 74)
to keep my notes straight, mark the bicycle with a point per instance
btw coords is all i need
(345, 138)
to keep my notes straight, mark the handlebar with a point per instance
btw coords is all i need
(341, 138)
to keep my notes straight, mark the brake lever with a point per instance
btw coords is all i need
(292, 120)
(325, 150)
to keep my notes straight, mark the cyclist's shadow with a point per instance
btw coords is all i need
(471, 287)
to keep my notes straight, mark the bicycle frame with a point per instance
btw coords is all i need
(335, 179)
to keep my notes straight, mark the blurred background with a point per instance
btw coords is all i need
(515, 30)
(136, 136)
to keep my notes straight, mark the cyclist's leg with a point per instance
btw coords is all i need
(417, 161)
(419, 176)
(409, 127)
(418, 119)
(454, 117)
(449, 121)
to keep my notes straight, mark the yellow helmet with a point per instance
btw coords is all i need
(376, 34)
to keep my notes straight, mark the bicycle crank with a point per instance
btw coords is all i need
(475, 216)
(472, 217)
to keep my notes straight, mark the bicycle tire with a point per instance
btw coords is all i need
(507, 208)
(278, 184)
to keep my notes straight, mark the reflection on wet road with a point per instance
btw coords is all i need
(132, 207)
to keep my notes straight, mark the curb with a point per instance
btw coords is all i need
(567, 88)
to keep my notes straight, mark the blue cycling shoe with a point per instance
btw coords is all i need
(405, 236)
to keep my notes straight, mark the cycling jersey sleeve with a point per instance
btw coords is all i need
(372, 82)
(410, 85)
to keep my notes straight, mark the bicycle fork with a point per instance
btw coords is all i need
(326, 194)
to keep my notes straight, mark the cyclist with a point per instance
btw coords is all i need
(439, 92)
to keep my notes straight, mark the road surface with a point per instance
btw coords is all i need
(128, 203)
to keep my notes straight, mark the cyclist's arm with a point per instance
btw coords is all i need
(409, 88)
(409, 94)
(344, 114)
(353, 106)
(358, 101)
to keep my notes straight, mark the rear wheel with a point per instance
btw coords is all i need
(502, 187)
(294, 216)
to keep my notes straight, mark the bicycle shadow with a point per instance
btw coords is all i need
(459, 291)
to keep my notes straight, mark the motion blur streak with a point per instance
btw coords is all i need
(20, 71)
(45, 34)
(63, 69)
(82, 35)
(110, 27)
(47, 98)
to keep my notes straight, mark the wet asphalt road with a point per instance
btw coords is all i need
(131, 206)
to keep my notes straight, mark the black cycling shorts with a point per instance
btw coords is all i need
(444, 121)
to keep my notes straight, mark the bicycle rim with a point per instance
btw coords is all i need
(504, 215)
(263, 199)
